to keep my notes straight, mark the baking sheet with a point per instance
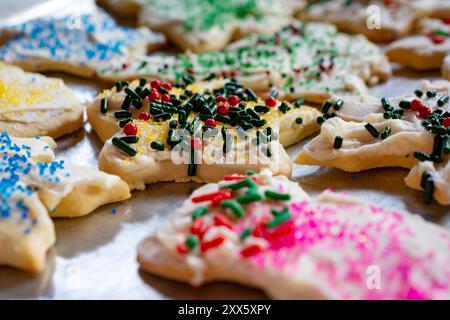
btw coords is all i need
(95, 256)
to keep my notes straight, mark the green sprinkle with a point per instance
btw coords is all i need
(245, 233)
(429, 190)
(405, 104)
(130, 139)
(104, 105)
(387, 115)
(123, 122)
(191, 242)
(320, 120)
(418, 93)
(132, 94)
(249, 197)
(250, 173)
(277, 195)
(233, 206)
(431, 94)
(338, 142)
(122, 114)
(299, 102)
(326, 106)
(157, 146)
(276, 213)
(299, 120)
(386, 133)
(249, 183)
(443, 101)
(372, 130)
(279, 219)
(262, 109)
(192, 169)
(425, 176)
(338, 104)
(122, 145)
(142, 82)
(446, 145)
(422, 156)
(200, 211)
(438, 130)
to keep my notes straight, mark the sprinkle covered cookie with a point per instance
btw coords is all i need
(266, 232)
(378, 20)
(312, 61)
(221, 126)
(429, 50)
(206, 25)
(32, 104)
(79, 45)
(35, 186)
(410, 131)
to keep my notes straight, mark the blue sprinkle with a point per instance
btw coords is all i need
(113, 211)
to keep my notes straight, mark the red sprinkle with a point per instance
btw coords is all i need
(223, 109)
(233, 73)
(221, 99)
(210, 122)
(130, 129)
(212, 243)
(387, 2)
(196, 226)
(144, 116)
(258, 231)
(124, 66)
(281, 231)
(168, 86)
(233, 100)
(166, 97)
(446, 122)
(446, 20)
(221, 220)
(424, 112)
(416, 105)
(211, 196)
(182, 248)
(155, 84)
(190, 71)
(271, 102)
(196, 143)
(251, 250)
(153, 95)
(437, 39)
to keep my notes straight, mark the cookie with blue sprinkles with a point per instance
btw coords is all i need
(82, 49)
(34, 187)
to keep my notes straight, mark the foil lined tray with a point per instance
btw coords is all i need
(95, 256)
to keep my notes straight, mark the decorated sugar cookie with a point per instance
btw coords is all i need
(379, 20)
(220, 126)
(265, 232)
(35, 186)
(32, 104)
(79, 45)
(410, 131)
(426, 51)
(312, 61)
(205, 25)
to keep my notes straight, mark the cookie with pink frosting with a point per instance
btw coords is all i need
(266, 232)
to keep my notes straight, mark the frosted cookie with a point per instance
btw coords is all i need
(80, 45)
(401, 131)
(425, 51)
(265, 232)
(33, 105)
(201, 26)
(312, 61)
(222, 127)
(380, 21)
